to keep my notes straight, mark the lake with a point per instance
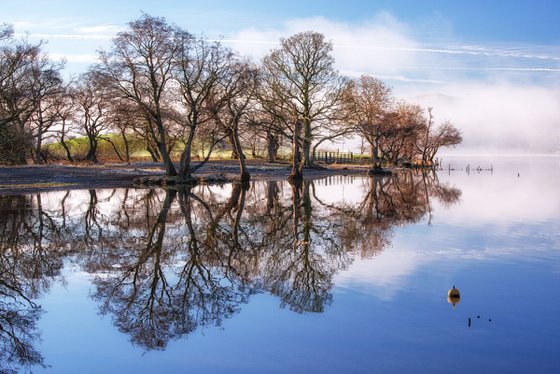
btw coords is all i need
(342, 274)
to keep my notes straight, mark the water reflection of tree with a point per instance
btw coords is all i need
(175, 283)
(301, 253)
(168, 262)
(389, 202)
(18, 332)
(208, 251)
(27, 265)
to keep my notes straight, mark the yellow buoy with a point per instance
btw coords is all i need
(453, 296)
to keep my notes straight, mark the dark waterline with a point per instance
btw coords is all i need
(344, 274)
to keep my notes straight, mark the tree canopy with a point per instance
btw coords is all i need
(181, 96)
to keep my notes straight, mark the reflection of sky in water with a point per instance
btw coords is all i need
(500, 245)
(501, 217)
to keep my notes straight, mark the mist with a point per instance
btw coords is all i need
(499, 117)
(504, 98)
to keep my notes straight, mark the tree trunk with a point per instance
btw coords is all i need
(115, 149)
(37, 154)
(244, 174)
(307, 161)
(272, 146)
(167, 162)
(185, 163)
(307, 210)
(160, 138)
(92, 151)
(154, 154)
(66, 148)
(234, 150)
(185, 170)
(271, 196)
(126, 147)
(254, 153)
(427, 138)
(296, 186)
(237, 220)
(375, 156)
(296, 173)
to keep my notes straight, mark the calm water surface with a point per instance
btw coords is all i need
(345, 274)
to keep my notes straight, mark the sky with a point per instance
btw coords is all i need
(490, 67)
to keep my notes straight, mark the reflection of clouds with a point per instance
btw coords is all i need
(382, 276)
(442, 247)
(500, 218)
(503, 197)
(330, 190)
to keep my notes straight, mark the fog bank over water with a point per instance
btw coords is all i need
(500, 118)
(504, 96)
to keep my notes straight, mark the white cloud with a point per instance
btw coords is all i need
(505, 96)
(100, 29)
(385, 46)
(375, 47)
(84, 58)
(70, 36)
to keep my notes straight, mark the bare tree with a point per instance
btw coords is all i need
(92, 104)
(232, 103)
(271, 119)
(431, 139)
(301, 73)
(446, 135)
(126, 120)
(369, 103)
(64, 109)
(47, 89)
(296, 174)
(26, 76)
(407, 123)
(199, 68)
(139, 68)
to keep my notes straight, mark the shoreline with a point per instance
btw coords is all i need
(28, 179)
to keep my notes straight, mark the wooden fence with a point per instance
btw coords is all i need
(339, 158)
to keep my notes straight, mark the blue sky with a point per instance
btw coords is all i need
(498, 20)
(510, 26)
(500, 58)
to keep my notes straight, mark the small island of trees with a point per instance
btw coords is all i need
(178, 97)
